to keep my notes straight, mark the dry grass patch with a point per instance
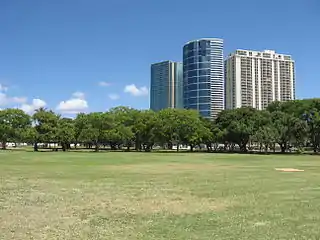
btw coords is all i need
(155, 168)
(41, 209)
(175, 204)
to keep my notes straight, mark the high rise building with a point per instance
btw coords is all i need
(255, 79)
(166, 85)
(203, 76)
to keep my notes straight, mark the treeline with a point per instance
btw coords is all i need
(282, 126)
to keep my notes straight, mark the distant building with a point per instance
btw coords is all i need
(166, 85)
(203, 76)
(255, 79)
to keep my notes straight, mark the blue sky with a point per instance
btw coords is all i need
(96, 54)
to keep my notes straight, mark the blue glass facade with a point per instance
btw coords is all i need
(166, 90)
(203, 76)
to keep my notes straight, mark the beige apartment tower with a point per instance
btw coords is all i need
(255, 79)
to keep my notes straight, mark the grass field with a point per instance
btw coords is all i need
(158, 196)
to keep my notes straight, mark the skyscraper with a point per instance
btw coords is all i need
(203, 76)
(255, 79)
(166, 85)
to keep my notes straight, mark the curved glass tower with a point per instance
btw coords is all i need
(203, 76)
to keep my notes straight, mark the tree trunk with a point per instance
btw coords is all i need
(260, 147)
(3, 145)
(283, 147)
(137, 146)
(148, 147)
(35, 147)
(113, 146)
(178, 147)
(63, 145)
(243, 147)
(96, 149)
(191, 148)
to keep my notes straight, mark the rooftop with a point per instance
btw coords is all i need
(208, 39)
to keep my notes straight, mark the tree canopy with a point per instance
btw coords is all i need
(282, 126)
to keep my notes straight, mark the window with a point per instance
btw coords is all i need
(192, 66)
(204, 58)
(191, 45)
(193, 73)
(204, 72)
(204, 93)
(204, 79)
(204, 107)
(193, 106)
(204, 100)
(204, 86)
(205, 113)
(193, 87)
(193, 100)
(193, 94)
(204, 65)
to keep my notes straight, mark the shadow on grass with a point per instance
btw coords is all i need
(105, 150)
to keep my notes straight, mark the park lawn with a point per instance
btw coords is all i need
(158, 196)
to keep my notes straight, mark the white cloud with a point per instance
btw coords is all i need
(135, 91)
(104, 84)
(113, 96)
(6, 100)
(78, 95)
(74, 105)
(36, 104)
(3, 88)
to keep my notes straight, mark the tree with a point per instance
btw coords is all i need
(312, 118)
(46, 125)
(168, 122)
(65, 133)
(145, 130)
(96, 125)
(12, 124)
(288, 130)
(239, 125)
(80, 125)
(191, 129)
(265, 136)
(121, 132)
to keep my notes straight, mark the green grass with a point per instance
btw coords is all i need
(158, 196)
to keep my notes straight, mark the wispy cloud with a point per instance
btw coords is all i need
(104, 84)
(78, 95)
(3, 88)
(7, 100)
(113, 96)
